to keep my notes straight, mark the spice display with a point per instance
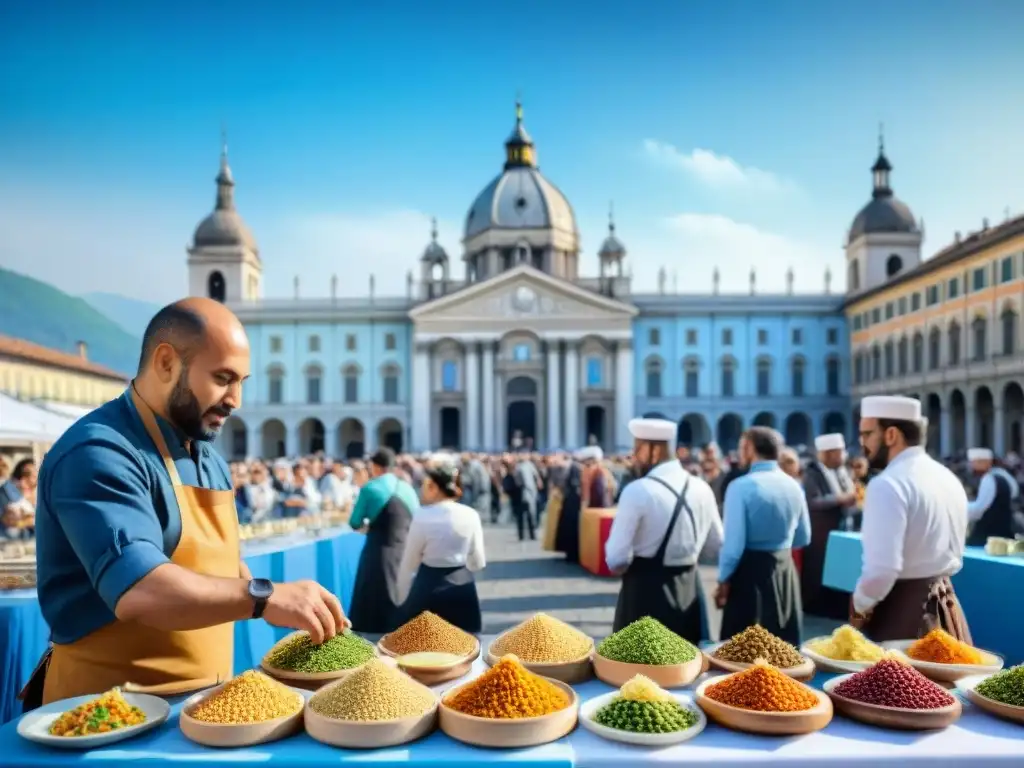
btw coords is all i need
(1006, 687)
(105, 713)
(647, 641)
(644, 707)
(893, 683)
(756, 642)
(543, 638)
(762, 688)
(847, 644)
(251, 697)
(940, 647)
(299, 654)
(506, 691)
(429, 659)
(374, 692)
(429, 632)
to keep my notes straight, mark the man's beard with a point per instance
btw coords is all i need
(187, 415)
(880, 459)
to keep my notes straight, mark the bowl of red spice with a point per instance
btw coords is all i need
(892, 694)
(941, 657)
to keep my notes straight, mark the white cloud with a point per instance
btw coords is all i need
(714, 170)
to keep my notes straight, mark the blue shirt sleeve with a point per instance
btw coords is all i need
(99, 494)
(734, 520)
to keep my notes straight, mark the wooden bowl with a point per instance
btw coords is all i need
(896, 718)
(238, 734)
(948, 673)
(511, 732)
(302, 677)
(616, 673)
(591, 707)
(825, 664)
(967, 686)
(438, 674)
(801, 672)
(351, 734)
(575, 671)
(769, 723)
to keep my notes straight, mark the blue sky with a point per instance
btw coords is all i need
(730, 133)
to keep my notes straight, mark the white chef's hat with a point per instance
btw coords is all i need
(979, 454)
(894, 407)
(590, 453)
(655, 430)
(830, 442)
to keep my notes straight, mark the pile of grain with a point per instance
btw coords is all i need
(508, 691)
(373, 693)
(762, 688)
(893, 683)
(543, 639)
(299, 654)
(847, 644)
(940, 647)
(647, 641)
(252, 697)
(428, 632)
(643, 707)
(755, 643)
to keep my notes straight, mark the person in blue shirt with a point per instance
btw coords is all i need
(383, 511)
(140, 575)
(765, 517)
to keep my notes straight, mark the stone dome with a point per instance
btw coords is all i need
(224, 227)
(434, 253)
(885, 213)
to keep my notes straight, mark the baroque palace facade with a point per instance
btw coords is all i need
(522, 350)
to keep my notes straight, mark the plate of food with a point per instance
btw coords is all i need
(845, 650)
(941, 657)
(87, 722)
(643, 713)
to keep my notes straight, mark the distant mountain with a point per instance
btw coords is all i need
(36, 311)
(131, 314)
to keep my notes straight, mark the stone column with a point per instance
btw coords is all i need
(970, 428)
(253, 442)
(292, 440)
(421, 389)
(330, 441)
(554, 381)
(572, 396)
(946, 434)
(472, 396)
(487, 390)
(998, 432)
(623, 394)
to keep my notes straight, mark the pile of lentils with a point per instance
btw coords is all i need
(755, 643)
(508, 691)
(1006, 687)
(345, 651)
(647, 641)
(893, 683)
(762, 688)
(643, 707)
(543, 639)
(252, 697)
(428, 632)
(373, 693)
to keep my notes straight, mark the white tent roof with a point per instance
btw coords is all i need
(24, 422)
(65, 409)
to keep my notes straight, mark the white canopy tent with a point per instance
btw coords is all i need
(75, 412)
(26, 423)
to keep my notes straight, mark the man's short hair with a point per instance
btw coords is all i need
(383, 458)
(182, 328)
(911, 430)
(765, 441)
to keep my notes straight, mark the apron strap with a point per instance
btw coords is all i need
(681, 504)
(153, 429)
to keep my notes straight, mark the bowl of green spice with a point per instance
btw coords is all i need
(295, 657)
(1001, 694)
(647, 647)
(643, 713)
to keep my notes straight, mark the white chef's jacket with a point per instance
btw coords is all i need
(443, 535)
(645, 511)
(914, 526)
(987, 493)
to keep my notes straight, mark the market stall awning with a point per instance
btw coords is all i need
(24, 422)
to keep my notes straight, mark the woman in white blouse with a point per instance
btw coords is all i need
(444, 549)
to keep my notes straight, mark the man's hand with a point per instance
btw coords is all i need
(722, 594)
(847, 499)
(857, 620)
(307, 606)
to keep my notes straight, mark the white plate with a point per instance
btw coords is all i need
(590, 708)
(825, 664)
(35, 725)
(948, 672)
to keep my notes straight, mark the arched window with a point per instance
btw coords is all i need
(903, 356)
(853, 276)
(653, 369)
(876, 363)
(216, 288)
(314, 376)
(728, 377)
(764, 377)
(275, 386)
(979, 329)
(954, 343)
(350, 377)
(934, 349)
(893, 265)
(890, 359)
(389, 382)
(918, 356)
(832, 371)
(797, 376)
(1009, 321)
(691, 370)
(449, 376)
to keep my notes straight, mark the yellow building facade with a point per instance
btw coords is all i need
(32, 372)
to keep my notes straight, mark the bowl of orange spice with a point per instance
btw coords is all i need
(941, 657)
(509, 706)
(761, 699)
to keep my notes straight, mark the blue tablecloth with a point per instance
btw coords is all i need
(989, 589)
(977, 738)
(331, 559)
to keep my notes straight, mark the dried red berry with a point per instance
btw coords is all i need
(890, 683)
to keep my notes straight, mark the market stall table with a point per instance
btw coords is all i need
(984, 585)
(331, 558)
(977, 738)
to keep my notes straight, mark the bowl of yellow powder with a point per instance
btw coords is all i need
(845, 650)
(548, 647)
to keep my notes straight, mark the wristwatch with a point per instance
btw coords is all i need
(260, 591)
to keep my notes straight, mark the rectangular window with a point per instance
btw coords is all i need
(727, 337)
(390, 388)
(953, 288)
(728, 381)
(798, 336)
(313, 390)
(932, 295)
(351, 388)
(762, 336)
(450, 375)
(275, 344)
(857, 322)
(876, 315)
(915, 302)
(890, 310)
(520, 353)
(832, 336)
(691, 338)
(350, 342)
(276, 394)
(654, 337)
(594, 372)
(764, 380)
(692, 384)
(978, 280)
(314, 343)
(901, 306)
(389, 341)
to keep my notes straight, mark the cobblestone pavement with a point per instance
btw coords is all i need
(521, 579)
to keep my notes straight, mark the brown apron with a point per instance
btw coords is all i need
(140, 658)
(914, 607)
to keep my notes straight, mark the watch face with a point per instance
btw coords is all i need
(261, 589)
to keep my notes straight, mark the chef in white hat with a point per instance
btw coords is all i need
(831, 501)
(667, 520)
(991, 512)
(913, 530)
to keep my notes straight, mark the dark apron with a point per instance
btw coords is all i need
(818, 599)
(567, 533)
(765, 590)
(914, 607)
(376, 588)
(448, 592)
(997, 520)
(668, 593)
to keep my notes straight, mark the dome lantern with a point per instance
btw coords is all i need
(519, 149)
(224, 227)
